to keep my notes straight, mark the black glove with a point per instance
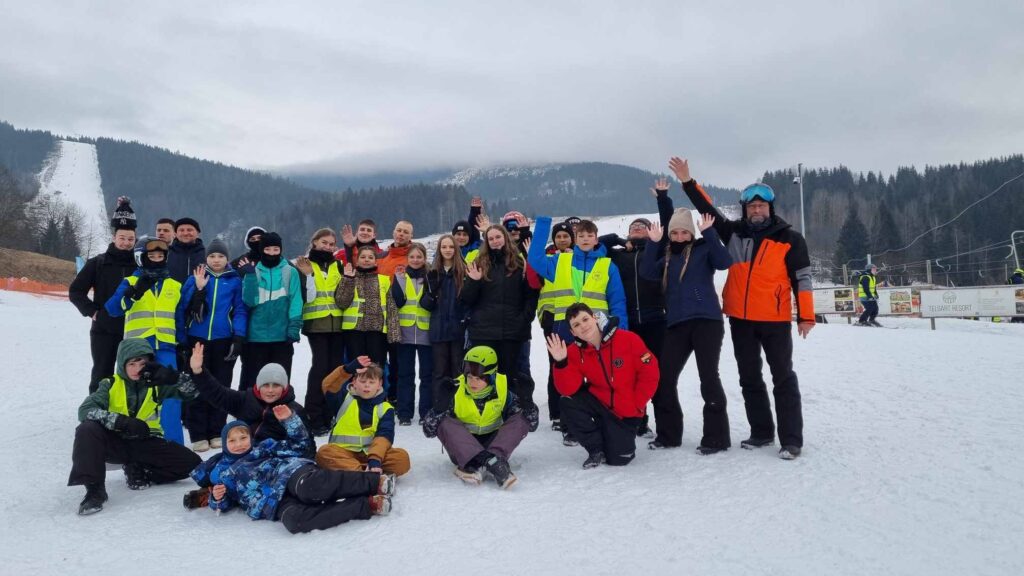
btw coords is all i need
(532, 415)
(131, 428)
(197, 307)
(237, 345)
(142, 285)
(156, 374)
(431, 423)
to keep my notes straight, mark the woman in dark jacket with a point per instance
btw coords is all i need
(694, 324)
(502, 305)
(447, 315)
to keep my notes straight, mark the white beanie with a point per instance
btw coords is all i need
(682, 219)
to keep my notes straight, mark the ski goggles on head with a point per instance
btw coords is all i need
(155, 245)
(757, 192)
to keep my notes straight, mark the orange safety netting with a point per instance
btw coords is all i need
(23, 284)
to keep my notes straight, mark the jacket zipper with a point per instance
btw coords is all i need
(213, 309)
(609, 379)
(636, 285)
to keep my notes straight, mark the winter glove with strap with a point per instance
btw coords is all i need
(142, 285)
(197, 306)
(431, 423)
(131, 428)
(237, 345)
(156, 374)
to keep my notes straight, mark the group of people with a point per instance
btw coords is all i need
(620, 317)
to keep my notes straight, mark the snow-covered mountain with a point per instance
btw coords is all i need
(71, 174)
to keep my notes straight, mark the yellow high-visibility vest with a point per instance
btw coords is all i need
(593, 294)
(412, 314)
(871, 286)
(348, 432)
(478, 421)
(323, 305)
(149, 412)
(350, 317)
(153, 315)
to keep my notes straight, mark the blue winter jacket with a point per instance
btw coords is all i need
(257, 481)
(122, 301)
(695, 296)
(545, 266)
(224, 315)
(274, 298)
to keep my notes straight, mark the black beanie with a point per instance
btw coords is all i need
(562, 227)
(461, 226)
(186, 220)
(270, 239)
(124, 216)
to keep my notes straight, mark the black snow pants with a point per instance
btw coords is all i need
(317, 499)
(162, 460)
(776, 339)
(599, 430)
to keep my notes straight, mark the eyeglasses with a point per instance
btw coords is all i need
(757, 192)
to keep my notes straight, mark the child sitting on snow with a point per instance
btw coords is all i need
(272, 481)
(363, 433)
(478, 419)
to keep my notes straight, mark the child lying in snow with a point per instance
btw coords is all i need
(273, 481)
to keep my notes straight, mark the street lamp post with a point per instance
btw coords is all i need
(800, 180)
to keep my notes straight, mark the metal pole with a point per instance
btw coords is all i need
(800, 177)
(1016, 259)
(928, 275)
(846, 282)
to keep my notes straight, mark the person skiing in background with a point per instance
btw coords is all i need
(148, 300)
(215, 315)
(273, 294)
(1017, 278)
(101, 275)
(770, 267)
(868, 294)
(644, 298)
(246, 263)
(321, 321)
(119, 423)
(186, 251)
(686, 273)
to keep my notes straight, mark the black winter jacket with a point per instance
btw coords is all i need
(182, 259)
(102, 274)
(447, 315)
(500, 308)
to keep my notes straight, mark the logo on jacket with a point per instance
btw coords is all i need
(617, 362)
(646, 358)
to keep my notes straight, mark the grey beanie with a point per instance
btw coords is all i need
(218, 246)
(272, 374)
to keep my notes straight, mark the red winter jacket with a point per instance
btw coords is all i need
(623, 374)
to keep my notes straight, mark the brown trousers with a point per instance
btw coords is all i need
(393, 460)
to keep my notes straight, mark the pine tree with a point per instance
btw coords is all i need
(853, 240)
(49, 241)
(68, 248)
(885, 235)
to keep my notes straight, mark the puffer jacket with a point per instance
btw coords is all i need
(224, 315)
(500, 308)
(274, 298)
(695, 296)
(182, 259)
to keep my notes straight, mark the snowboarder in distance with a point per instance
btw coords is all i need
(868, 294)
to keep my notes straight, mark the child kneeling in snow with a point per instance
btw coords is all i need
(478, 419)
(272, 481)
(363, 432)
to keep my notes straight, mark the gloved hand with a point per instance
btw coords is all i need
(131, 428)
(142, 285)
(156, 374)
(532, 415)
(237, 345)
(431, 423)
(197, 307)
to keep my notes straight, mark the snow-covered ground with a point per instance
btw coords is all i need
(910, 466)
(72, 173)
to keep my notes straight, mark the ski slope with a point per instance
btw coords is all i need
(72, 174)
(910, 466)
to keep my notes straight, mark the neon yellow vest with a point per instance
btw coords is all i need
(546, 298)
(350, 317)
(323, 305)
(489, 419)
(595, 288)
(153, 315)
(149, 412)
(348, 432)
(471, 255)
(412, 314)
(871, 285)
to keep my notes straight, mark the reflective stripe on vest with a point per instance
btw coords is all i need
(323, 305)
(348, 433)
(595, 287)
(871, 286)
(149, 412)
(478, 421)
(412, 313)
(153, 315)
(350, 317)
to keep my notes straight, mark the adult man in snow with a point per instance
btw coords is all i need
(187, 251)
(102, 274)
(770, 266)
(165, 230)
(394, 260)
(868, 294)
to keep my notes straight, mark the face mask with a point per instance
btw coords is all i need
(321, 256)
(677, 247)
(270, 261)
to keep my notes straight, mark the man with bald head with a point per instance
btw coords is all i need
(397, 255)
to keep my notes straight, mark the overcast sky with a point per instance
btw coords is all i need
(356, 87)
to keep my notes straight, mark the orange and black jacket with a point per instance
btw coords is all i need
(769, 267)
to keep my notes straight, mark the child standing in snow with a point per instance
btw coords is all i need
(272, 481)
(369, 317)
(414, 323)
(478, 419)
(363, 433)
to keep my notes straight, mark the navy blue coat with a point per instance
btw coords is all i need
(695, 296)
(447, 314)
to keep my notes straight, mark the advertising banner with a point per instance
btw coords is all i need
(984, 302)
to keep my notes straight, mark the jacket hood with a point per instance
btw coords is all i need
(585, 260)
(224, 439)
(398, 250)
(131, 348)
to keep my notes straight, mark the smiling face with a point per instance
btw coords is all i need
(584, 326)
(239, 440)
(563, 241)
(446, 247)
(271, 392)
(495, 239)
(680, 235)
(186, 233)
(461, 237)
(366, 259)
(417, 259)
(124, 239)
(328, 243)
(365, 233)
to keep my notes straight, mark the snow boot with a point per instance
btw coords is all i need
(136, 477)
(789, 452)
(499, 468)
(405, 422)
(645, 432)
(95, 496)
(471, 477)
(387, 485)
(557, 425)
(215, 443)
(875, 323)
(709, 450)
(751, 443)
(568, 439)
(594, 460)
(658, 445)
(380, 505)
(861, 323)
(201, 446)
(194, 499)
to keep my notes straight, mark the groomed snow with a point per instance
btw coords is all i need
(72, 173)
(910, 466)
